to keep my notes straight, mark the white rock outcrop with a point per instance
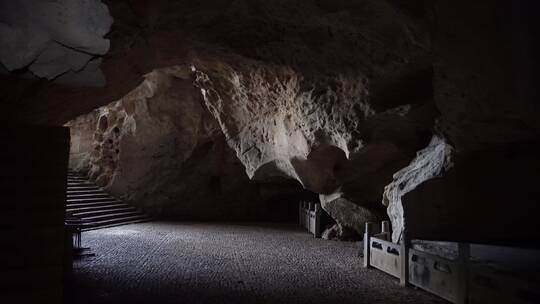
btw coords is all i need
(429, 163)
(346, 213)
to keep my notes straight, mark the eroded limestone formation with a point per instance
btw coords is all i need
(324, 133)
(83, 130)
(343, 123)
(350, 217)
(431, 162)
(159, 148)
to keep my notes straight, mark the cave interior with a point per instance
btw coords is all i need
(225, 118)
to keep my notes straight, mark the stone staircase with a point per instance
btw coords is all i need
(97, 208)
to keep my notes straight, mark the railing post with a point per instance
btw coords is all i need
(385, 229)
(464, 251)
(317, 231)
(300, 217)
(306, 216)
(404, 256)
(367, 235)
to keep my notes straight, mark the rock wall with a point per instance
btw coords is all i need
(488, 108)
(336, 96)
(56, 40)
(159, 148)
(484, 91)
(83, 134)
(350, 217)
(323, 132)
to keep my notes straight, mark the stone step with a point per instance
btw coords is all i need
(78, 184)
(97, 212)
(82, 205)
(78, 192)
(88, 195)
(76, 180)
(113, 223)
(93, 205)
(111, 216)
(90, 200)
(100, 207)
(89, 187)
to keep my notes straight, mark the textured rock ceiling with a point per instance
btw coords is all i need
(315, 37)
(55, 40)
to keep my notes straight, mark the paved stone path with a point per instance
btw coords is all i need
(162, 262)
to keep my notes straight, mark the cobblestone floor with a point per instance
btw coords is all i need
(162, 262)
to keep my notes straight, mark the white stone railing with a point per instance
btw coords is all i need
(456, 280)
(310, 217)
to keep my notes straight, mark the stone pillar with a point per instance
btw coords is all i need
(367, 236)
(317, 231)
(385, 230)
(33, 181)
(301, 213)
(404, 256)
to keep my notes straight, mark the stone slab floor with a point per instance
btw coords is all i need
(162, 262)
